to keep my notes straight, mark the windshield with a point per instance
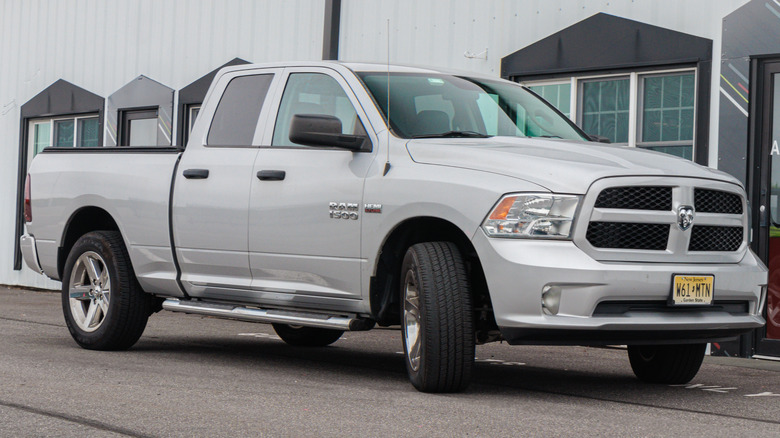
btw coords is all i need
(437, 105)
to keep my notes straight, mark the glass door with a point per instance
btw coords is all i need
(767, 165)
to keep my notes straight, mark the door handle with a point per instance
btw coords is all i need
(196, 173)
(271, 175)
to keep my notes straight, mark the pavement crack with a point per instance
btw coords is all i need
(74, 419)
(5, 318)
(632, 403)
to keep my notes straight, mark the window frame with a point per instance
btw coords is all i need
(640, 116)
(636, 84)
(580, 93)
(127, 115)
(32, 122)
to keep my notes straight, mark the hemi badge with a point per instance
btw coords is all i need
(373, 208)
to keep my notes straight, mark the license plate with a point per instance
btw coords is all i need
(692, 289)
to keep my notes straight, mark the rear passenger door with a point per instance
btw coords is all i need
(213, 181)
(305, 224)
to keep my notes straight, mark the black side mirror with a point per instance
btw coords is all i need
(324, 131)
(598, 138)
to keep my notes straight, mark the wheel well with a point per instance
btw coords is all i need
(80, 223)
(385, 285)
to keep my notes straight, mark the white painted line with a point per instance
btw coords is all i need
(763, 394)
(758, 356)
(738, 73)
(742, 110)
(719, 390)
(260, 335)
(773, 10)
(160, 127)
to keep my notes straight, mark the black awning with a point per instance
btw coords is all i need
(605, 42)
(62, 98)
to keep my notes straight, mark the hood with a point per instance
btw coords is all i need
(561, 166)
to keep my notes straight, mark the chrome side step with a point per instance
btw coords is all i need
(268, 315)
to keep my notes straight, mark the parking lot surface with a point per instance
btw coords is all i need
(197, 376)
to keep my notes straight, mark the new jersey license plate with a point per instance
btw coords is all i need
(692, 289)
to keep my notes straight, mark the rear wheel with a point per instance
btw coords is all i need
(438, 333)
(307, 336)
(104, 307)
(671, 364)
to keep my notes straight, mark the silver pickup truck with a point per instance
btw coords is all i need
(326, 197)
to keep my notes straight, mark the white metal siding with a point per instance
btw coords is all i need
(101, 45)
(438, 32)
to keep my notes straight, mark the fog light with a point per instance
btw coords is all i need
(551, 299)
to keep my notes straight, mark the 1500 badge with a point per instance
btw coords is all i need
(343, 210)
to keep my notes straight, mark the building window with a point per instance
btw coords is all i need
(558, 94)
(138, 128)
(194, 110)
(604, 105)
(667, 111)
(651, 110)
(76, 131)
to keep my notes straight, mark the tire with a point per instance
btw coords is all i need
(104, 306)
(307, 336)
(437, 326)
(670, 364)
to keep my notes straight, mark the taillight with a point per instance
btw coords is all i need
(27, 204)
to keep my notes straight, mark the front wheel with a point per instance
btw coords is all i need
(104, 307)
(670, 364)
(438, 332)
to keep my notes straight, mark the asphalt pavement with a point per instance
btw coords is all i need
(197, 376)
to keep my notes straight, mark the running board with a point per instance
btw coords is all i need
(268, 315)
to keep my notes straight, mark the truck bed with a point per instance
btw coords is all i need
(140, 206)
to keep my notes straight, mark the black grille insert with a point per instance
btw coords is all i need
(619, 235)
(715, 238)
(620, 308)
(636, 198)
(716, 201)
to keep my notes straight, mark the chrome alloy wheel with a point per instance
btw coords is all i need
(90, 291)
(412, 319)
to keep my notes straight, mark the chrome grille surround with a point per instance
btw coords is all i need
(677, 248)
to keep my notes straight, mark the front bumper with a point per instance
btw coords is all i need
(518, 271)
(30, 252)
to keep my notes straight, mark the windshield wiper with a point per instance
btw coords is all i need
(549, 136)
(452, 134)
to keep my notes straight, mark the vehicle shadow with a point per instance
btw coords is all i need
(376, 365)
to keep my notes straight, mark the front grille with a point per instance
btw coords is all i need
(716, 201)
(636, 198)
(715, 238)
(621, 308)
(619, 235)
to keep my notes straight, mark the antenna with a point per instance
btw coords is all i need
(387, 159)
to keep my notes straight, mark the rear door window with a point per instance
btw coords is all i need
(236, 117)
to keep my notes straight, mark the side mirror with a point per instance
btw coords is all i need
(324, 131)
(598, 138)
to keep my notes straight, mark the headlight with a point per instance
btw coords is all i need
(532, 215)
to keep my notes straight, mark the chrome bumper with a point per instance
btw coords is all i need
(519, 273)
